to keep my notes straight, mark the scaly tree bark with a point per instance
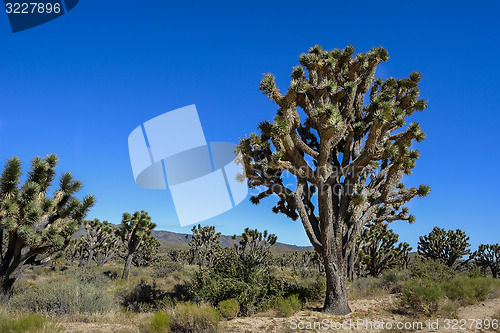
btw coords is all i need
(35, 225)
(349, 153)
(134, 230)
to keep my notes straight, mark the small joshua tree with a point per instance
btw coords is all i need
(147, 254)
(254, 246)
(98, 238)
(109, 248)
(203, 244)
(344, 156)
(133, 231)
(34, 224)
(378, 250)
(488, 256)
(76, 251)
(444, 246)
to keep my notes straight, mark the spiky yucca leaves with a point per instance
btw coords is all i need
(147, 254)
(133, 231)
(254, 246)
(445, 246)
(488, 256)
(34, 224)
(378, 250)
(203, 245)
(352, 153)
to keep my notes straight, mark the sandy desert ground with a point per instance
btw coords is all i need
(369, 315)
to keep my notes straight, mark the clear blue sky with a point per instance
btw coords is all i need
(78, 85)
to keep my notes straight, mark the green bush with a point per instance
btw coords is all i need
(434, 287)
(30, 323)
(160, 322)
(395, 276)
(419, 297)
(165, 268)
(190, 317)
(285, 307)
(466, 290)
(69, 296)
(308, 288)
(366, 287)
(230, 276)
(431, 270)
(89, 275)
(229, 308)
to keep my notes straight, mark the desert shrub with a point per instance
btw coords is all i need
(420, 297)
(252, 291)
(285, 307)
(70, 296)
(143, 297)
(366, 287)
(394, 276)
(469, 290)
(30, 323)
(426, 296)
(229, 276)
(88, 275)
(160, 322)
(394, 279)
(190, 317)
(431, 270)
(165, 268)
(308, 288)
(229, 308)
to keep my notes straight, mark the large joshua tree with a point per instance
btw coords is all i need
(345, 158)
(33, 225)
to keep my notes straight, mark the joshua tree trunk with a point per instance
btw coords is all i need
(126, 268)
(351, 262)
(6, 283)
(9, 274)
(336, 286)
(91, 255)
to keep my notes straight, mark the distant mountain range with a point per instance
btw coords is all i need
(173, 240)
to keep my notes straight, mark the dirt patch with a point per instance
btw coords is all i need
(368, 316)
(99, 328)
